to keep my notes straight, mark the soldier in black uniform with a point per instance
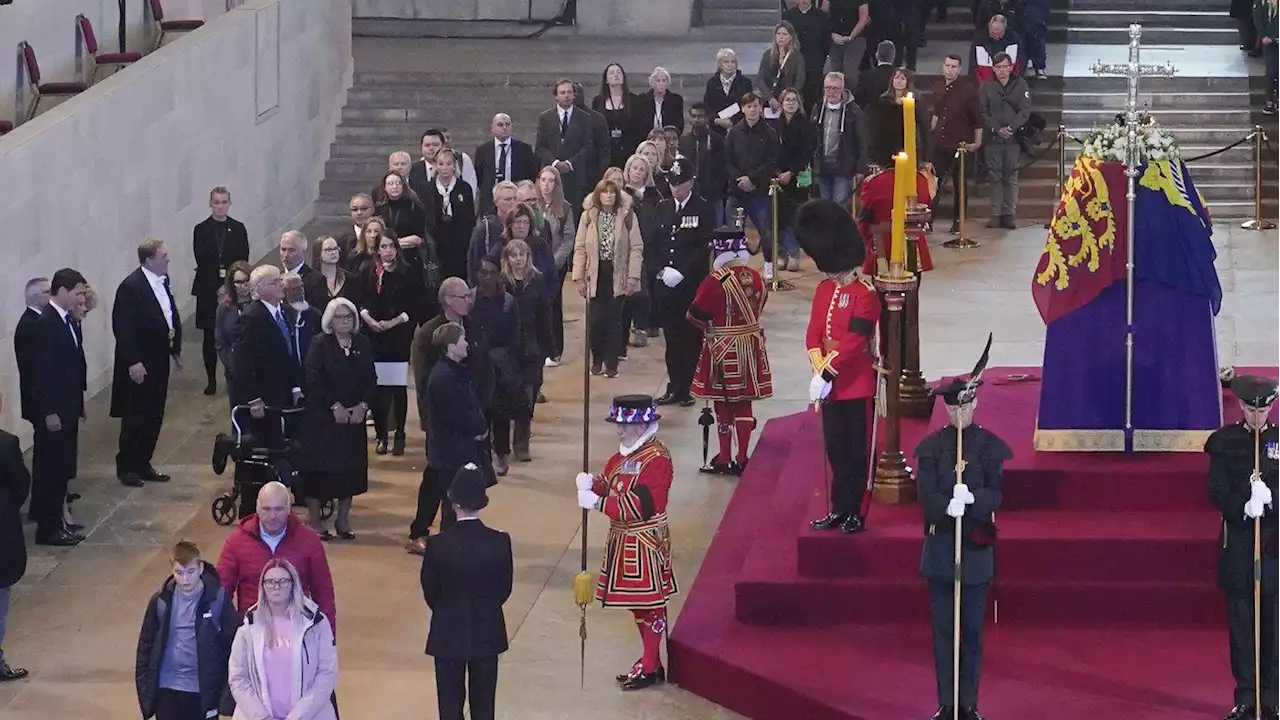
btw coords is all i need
(1242, 497)
(976, 502)
(685, 223)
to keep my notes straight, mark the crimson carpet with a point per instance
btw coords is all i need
(1104, 604)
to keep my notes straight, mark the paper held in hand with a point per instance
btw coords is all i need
(729, 112)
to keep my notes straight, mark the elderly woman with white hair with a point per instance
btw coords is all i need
(658, 107)
(725, 90)
(340, 383)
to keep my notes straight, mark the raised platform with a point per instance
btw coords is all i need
(1089, 545)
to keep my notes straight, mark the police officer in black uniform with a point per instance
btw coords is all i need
(1242, 497)
(975, 502)
(685, 224)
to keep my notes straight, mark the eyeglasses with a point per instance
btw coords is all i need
(361, 208)
(238, 281)
(279, 584)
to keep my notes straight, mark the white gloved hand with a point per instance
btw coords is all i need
(961, 492)
(584, 481)
(956, 507)
(1254, 508)
(587, 500)
(1258, 490)
(819, 388)
(670, 277)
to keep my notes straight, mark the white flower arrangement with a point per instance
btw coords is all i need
(1110, 142)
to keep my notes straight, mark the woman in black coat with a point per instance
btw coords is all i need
(531, 290)
(340, 386)
(401, 208)
(15, 484)
(231, 302)
(216, 242)
(796, 142)
(391, 290)
(618, 106)
(453, 202)
(724, 89)
(330, 280)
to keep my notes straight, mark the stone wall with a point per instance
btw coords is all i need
(250, 101)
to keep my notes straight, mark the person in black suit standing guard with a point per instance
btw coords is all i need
(36, 295)
(685, 226)
(506, 158)
(148, 336)
(15, 483)
(565, 141)
(466, 577)
(58, 402)
(216, 242)
(268, 371)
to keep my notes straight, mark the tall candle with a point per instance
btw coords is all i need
(909, 136)
(903, 175)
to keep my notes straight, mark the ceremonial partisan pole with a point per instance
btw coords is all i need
(1133, 71)
(1257, 584)
(582, 583)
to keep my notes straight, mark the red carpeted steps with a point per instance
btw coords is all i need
(1107, 605)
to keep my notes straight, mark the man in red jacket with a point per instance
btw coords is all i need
(274, 532)
(840, 339)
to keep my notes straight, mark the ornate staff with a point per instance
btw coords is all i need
(582, 594)
(1257, 583)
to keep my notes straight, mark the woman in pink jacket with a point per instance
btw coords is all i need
(284, 664)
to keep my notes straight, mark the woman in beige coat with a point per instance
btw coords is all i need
(607, 253)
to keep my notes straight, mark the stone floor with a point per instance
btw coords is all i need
(76, 614)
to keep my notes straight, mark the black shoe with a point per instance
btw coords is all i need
(153, 476)
(380, 447)
(686, 402)
(717, 467)
(955, 227)
(597, 368)
(946, 712)
(74, 529)
(397, 446)
(642, 681)
(61, 538)
(211, 388)
(829, 522)
(11, 673)
(853, 524)
(660, 673)
(1241, 712)
(131, 479)
(612, 372)
(736, 469)
(969, 713)
(325, 536)
(666, 398)
(1008, 222)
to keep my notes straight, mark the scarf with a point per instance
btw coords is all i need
(446, 208)
(378, 271)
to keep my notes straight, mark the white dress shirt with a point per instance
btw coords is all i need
(63, 314)
(497, 155)
(162, 296)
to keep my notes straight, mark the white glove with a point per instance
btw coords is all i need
(819, 388)
(584, 481)
(956, 507)
(1259, 490)
(961, 493)
(587, 500)
(670, 277)
(1254, 508)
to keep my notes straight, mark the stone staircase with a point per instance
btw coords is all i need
(1164, 22)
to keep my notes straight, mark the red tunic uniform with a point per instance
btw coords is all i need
(842, 322)
(733, 365)
(636, 572)
(875, 205)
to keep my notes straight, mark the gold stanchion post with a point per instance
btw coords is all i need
(1062, 171)
(1258, 222)
(776, 283)
(961, 241)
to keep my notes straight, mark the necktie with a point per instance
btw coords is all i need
(502, 162)
(75, 338)
(285, 332)
(564, 123)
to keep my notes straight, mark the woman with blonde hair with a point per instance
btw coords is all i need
(781, 67)
(607, 254)
(531, 290)
(365, 253)
(557, 213)
(653, 150)
(637, 320)
(284, 663)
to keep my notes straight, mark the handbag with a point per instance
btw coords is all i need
(804, 178)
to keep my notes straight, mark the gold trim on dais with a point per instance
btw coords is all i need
(1170, 440)
(1079, 440)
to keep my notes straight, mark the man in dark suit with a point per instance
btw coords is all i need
(58, 403)
(466, 577)
(216, 242)
(505, 158)
(36, 294)
(15, 483)
(148, 336)
(293, 253)
(361, 209)
(565, 140)
(306, 316)
(874, 82)
(268, 371)
(683, 259)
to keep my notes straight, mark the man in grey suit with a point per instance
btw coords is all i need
(974, 502)
(565, 140)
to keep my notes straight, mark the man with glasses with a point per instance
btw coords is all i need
(217, 242)
(361, 208)
(1005, 103)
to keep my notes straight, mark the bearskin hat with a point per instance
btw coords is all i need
(827, 234)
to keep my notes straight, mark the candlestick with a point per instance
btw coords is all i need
(902, 177)
(909, 137)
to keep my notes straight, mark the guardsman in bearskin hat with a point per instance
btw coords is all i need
(842, 341)
(684, 230)
(632, 492)
(971, 503)
(733, 369)
(1243, 474)
(875, 215)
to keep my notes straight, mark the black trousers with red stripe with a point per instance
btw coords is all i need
(845, 437)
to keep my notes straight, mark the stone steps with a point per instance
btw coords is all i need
(1175, 36)
(1150, 19)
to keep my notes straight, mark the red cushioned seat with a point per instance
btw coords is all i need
(62, 88)
(5, 126)
(124, 57)
(181, 25)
